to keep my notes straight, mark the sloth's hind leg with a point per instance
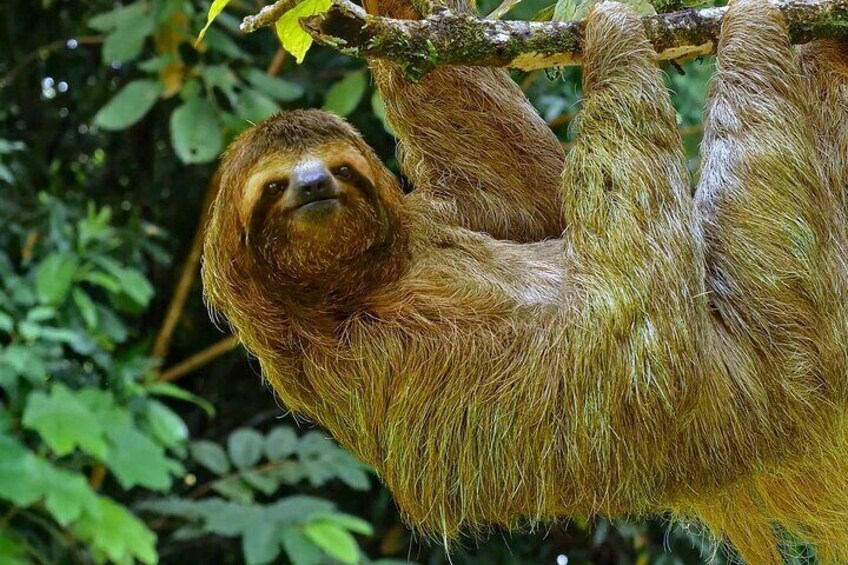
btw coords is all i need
(774, 261)
(763, 203)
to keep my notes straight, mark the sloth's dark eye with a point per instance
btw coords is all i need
(344, 172)
(275, 186)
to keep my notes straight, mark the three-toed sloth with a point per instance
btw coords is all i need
(530, 335)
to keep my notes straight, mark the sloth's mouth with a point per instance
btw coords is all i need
(319, 202)
(318, 209)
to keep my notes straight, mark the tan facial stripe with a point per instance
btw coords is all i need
(280, 165)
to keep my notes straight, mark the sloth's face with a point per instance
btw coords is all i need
(308, 210)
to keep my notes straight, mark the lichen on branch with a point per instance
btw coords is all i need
(446, 38)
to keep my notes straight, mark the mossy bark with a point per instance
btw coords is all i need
(446, 38)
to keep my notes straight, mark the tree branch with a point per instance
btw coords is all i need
(199, 359)
(187, 275)
(267, 16)
(419, 46)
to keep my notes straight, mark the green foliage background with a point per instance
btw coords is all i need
(110, 125)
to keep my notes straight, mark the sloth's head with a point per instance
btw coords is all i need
(307, 200)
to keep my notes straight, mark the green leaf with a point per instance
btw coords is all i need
(229, 518)
(293, 37)
(583, 9)
(73, 338)
(210, 455)
(319, 457)
(214, 10)
(299, 549)
(103, 280)
(166, 425)
(126, 42)
(344, 96)
(333, 540)
(64, 422)
(7, 323)
(24, 360)
(26, 478)
(288, 472)
(195, 131)
(136, 286)
(564, 10)
(299, 509)
(245, 447)
(235, 489)
(54, 277)
(574, 10)
(117, 534)
(222, 78)
(156, 64)
(111, 325)
(280, 443)
(277, 88)
(261, 543)
(163, 10)
(182, 508)
(173, 391)
(98, 401)
(191, 89)
(134, 458)
(6, 174)
(315, 443)
(379, 109)
(68, 495)
(86, 307)
(21, 473)
(255, 107)
(13, 550)
(349, 522)
(265, 483)
(40, 314)
(218, 40)
(129, 105)
(641, 7)
(351, 474)
(7, 146)
(108, 21)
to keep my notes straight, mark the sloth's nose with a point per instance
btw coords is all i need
(310, 182)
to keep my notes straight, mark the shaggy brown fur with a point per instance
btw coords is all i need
(663, 354)
(473, 146)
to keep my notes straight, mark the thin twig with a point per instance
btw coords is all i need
(692, 130)
(561, 120)
(199, 359)
(204, 488)
(528, 79)
(276, 64)
(7, 517)
(98, 474)
(187, 276)
(267, 16)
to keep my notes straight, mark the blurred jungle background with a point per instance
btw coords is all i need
(132, 429)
